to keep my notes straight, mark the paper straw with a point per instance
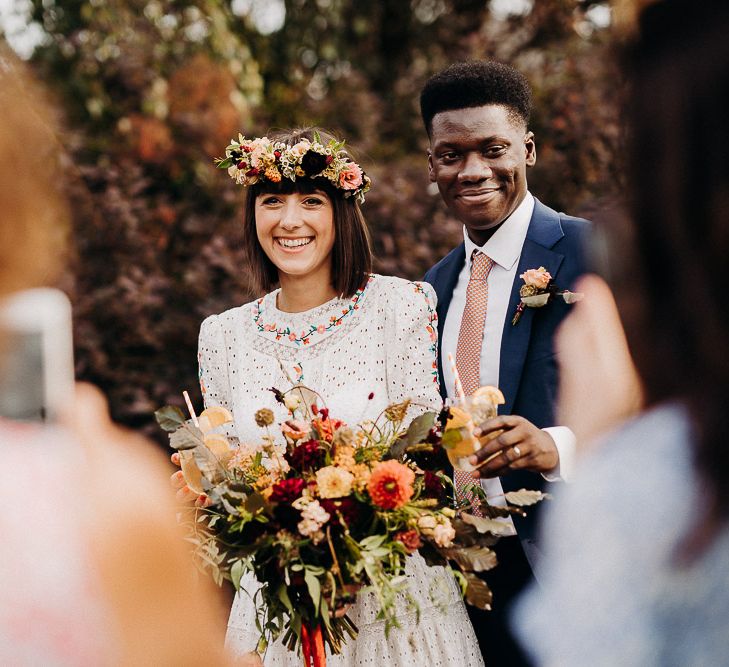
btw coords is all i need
(456, 378)
(191, 409)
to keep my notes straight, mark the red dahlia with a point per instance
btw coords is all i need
(287, 490)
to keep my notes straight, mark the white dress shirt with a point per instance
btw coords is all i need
(504, 248)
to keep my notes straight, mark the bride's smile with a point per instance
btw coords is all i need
(296, 231)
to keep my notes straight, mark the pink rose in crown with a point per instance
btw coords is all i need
(538, 278)
(350, 178)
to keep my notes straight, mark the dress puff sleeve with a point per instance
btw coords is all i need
(213, 369)
(412, 339)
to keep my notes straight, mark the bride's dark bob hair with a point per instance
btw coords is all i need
(351, 253)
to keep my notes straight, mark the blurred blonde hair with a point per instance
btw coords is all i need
(34, 217)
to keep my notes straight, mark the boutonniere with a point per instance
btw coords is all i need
(538, 290)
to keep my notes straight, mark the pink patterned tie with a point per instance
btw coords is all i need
(470, 337)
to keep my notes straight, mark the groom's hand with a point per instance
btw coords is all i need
(520, 446)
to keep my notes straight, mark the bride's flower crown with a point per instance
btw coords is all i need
(249, 161)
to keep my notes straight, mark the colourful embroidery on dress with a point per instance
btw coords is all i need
(305, 337)
(431, 328)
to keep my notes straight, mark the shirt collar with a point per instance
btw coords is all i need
(504, 247)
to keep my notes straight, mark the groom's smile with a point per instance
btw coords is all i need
(478, 158)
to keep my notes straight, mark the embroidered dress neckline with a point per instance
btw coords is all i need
(307, 327)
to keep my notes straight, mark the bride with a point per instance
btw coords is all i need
(362, 341)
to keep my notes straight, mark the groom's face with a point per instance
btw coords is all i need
(479, 157)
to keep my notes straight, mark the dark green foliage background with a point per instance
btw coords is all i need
(151, 91)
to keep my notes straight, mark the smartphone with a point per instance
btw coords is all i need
(36, 355)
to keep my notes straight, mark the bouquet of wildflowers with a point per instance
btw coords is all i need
(320, 511)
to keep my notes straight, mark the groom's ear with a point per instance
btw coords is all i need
(431, 172)
(531, 149)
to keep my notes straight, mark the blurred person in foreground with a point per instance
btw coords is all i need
(89, 575)
(637, 564)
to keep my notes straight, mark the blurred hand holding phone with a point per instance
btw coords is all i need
(36, 355)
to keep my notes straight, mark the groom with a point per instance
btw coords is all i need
(476, 115)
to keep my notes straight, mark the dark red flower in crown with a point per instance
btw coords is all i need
(306, 455)
(287, 490)
(313, 163)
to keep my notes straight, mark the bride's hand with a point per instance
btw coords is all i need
(184, 493)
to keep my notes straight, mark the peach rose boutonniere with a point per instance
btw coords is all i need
(538, 290)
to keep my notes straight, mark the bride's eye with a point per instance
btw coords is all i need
(313, 201)
(270, 200)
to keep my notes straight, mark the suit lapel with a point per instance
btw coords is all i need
(544, 231)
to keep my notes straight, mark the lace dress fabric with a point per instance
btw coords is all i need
(360, 354)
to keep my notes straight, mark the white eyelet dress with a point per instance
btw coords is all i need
(380, 342)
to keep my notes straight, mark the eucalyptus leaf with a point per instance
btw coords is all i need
(478, 594)
(170, 418)
(314, 587)
(420, 427)
(525, 497)
(397, 449)
(187, 436)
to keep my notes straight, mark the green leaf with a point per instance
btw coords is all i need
(420, 427)
(373, 541)
(486, 525)
(525, 497)
(478, 594)
(236, 573)
(283, 595)
(314, 586)
(170, 418)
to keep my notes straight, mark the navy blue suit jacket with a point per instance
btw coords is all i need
(528, 367)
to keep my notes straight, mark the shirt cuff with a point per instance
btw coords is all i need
(566, 444)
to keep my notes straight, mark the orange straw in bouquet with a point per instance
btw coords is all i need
(191, 409)
(456, 378)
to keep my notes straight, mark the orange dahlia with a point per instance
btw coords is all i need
(391, 484)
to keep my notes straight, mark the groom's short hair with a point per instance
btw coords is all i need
(476, 83)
